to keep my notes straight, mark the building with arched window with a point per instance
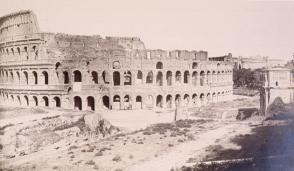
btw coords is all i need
(95, 73)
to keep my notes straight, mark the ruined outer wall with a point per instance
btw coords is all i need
(82, 72)
(278, 84)
(18, 24)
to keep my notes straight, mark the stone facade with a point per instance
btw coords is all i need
(278, 83)
(256, 62)
(92, 73)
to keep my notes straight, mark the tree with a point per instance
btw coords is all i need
(244, 78)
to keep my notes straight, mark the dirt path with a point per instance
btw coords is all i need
(180, 154)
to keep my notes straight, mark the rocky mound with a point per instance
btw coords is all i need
(31, 137)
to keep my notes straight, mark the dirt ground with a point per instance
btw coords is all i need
(269, 147)
(47, 139)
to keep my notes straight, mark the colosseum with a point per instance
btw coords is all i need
(99, 73)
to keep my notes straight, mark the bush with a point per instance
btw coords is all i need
(50, 117)
(100, 153)
(90, 162)
(117, 158)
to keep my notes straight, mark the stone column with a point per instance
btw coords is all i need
(198, 79)
(182, 77)
(190, 81)
(133, 78)
(84, 103)
(173, 79)
(121, 75)
(154, 77)
(164, 81)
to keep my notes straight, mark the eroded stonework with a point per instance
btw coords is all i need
(92, 73)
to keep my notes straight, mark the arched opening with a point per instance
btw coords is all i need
(35, 101)
(18, 77)
(214, 100)
(202, 78)
(178, 100)
(208, 98)
(213, 77)
(223, 75)
(94, 77)
(26, 77)
(178, 77)
(202, 99)
(194, 78)
(194, 99)
(159, 101)
(35, 75)
(159, 65)
(186, 99)
(116, 78)
(218, 96)
(149, 78)
(208, 77)
(18, 50)
(26, 100)
(218, 76)
(91, 103)
(186, 77)
(127, 78)
(139, 77)
(45, 101)
(65, 77)
(77, 103)
(194, 65)
(138, 102)
(77, 76)
(127, 102)
(159, 80)
(116, 102)
(57, 101)
(169, 101)
(105, 76)
(7, 77)
(169, 78)
(18, 99)
(105, 100)
(12, 98)
(45, 77)
(277, 83)
(11, 77)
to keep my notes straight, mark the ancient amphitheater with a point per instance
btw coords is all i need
(92, 72)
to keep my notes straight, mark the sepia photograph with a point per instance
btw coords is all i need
(146, 85)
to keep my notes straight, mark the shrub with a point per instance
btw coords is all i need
(90, 162)
(100, 153)
(50, 117)
(72, 147)
(117, 158)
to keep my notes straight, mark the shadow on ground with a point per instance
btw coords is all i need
(270, 147)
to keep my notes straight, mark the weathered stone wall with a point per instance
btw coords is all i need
(278, 86)
(92, 73)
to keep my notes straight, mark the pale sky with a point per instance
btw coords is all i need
(244, 28)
